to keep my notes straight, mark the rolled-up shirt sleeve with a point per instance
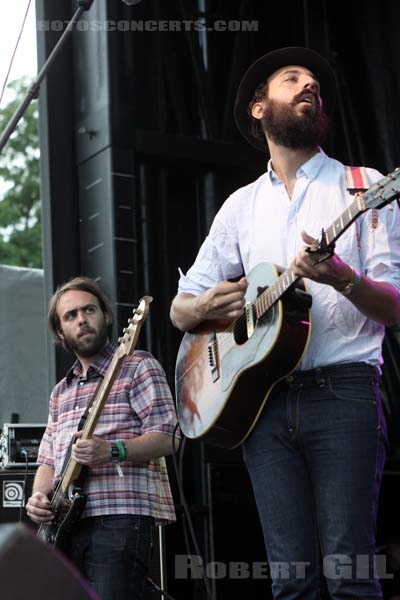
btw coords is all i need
(46, 448)
(380, 249)
(151, 398)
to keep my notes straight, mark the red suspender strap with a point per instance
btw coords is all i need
(357, 181)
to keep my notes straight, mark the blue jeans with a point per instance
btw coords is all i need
(112, 553)
(316, 459)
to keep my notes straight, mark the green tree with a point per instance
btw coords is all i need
(20, 228)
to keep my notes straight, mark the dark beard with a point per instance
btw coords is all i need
(287, 128)
(86, 347)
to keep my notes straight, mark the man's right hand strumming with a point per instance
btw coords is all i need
(38, 505)
(38, 508)
(225, 301)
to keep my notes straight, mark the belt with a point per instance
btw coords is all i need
(320, 373)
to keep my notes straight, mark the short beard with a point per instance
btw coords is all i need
(85, 347)
(285, 127)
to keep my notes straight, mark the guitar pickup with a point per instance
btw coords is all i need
(213, 356)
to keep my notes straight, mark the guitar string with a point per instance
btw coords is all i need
(270, 296)
(351, 214)
(240, 325)
(57, 496)
(44, 527)
(348, 216)
(265, 301)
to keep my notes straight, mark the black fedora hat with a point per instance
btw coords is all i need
(262, 68)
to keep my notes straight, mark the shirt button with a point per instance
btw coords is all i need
(76, 407)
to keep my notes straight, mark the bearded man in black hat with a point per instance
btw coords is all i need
(316, 453)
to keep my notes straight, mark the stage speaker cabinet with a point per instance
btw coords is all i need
(15, 489)
(19, 444)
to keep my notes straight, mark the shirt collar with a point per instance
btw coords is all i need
(100, 363)
(310, 168)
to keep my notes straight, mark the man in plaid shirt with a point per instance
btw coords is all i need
(126, 484)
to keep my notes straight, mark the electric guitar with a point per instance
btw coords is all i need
(68, 500)
(225, 372)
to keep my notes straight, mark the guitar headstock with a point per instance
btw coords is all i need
(128, 341)
(383, 191)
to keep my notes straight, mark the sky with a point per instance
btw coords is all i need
(11, 18)
(12, 14)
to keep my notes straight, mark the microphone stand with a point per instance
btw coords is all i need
(33, 92)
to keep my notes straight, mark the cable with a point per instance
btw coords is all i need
(187, 513)
(22, 503)
(15, 50)
(184, 521)
(159, 589)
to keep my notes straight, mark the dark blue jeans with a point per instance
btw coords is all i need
(315, 459)
(112, 553)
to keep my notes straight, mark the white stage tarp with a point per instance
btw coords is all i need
(24, 378)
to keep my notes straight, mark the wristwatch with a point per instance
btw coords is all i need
(114, 455)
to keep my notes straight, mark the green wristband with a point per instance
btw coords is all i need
(357, 278)
(121, 449)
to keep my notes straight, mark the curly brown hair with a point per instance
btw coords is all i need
(82, 284)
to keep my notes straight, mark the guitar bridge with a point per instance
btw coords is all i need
(249, 313)
(213, 356)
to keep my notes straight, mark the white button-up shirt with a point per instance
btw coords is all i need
(259, 223)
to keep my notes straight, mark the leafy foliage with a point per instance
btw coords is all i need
(20, 229)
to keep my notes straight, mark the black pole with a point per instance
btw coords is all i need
(33, 92)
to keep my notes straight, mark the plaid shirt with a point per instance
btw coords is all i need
(140, 402)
